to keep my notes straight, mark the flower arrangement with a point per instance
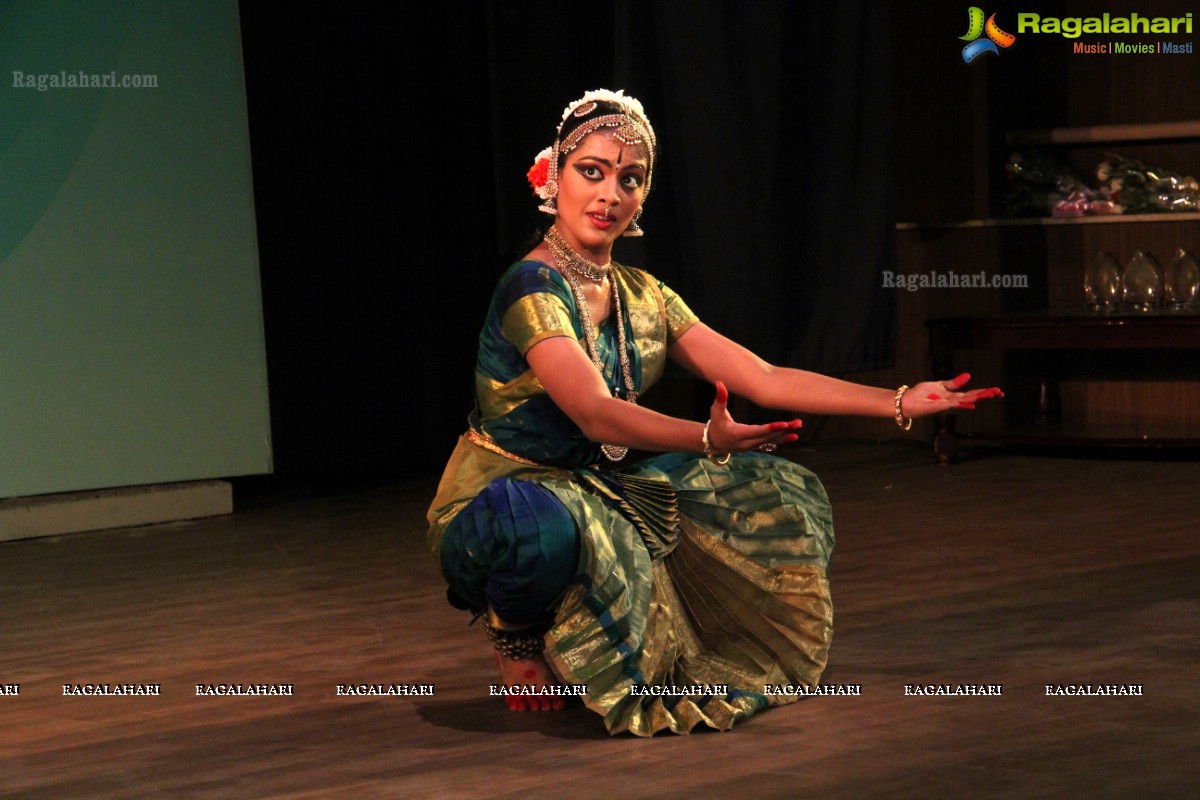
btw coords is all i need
(539, 174)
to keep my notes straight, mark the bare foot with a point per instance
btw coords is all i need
(532, 672)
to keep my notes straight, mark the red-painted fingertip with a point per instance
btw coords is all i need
(968, 406)
(791, 437)
(722, 393)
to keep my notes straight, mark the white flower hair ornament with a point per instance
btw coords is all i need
(539, 175)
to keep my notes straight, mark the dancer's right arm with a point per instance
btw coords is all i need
(575, 386)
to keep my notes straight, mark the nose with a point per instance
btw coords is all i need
(609, 191)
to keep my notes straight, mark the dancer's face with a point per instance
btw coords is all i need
(600, 187)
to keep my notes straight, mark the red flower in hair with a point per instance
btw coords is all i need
(539, 173)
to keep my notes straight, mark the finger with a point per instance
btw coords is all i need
(770, 445)
(982, 394)
(957, 383)
(719, 410)
(751, 442)
(770, 430)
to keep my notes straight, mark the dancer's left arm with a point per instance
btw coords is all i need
(714, 357)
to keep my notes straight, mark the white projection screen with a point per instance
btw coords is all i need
(131, 330)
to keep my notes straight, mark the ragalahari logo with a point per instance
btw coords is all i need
(976, 27)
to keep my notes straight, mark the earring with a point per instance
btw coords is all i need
(550, 203)
(634, 229)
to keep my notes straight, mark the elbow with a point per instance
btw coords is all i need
(591, 431)
(761, 388)
(594, 422)
(586, 420)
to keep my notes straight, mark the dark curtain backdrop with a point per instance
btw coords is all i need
(771, 209)
(778, 168)
(389, 177)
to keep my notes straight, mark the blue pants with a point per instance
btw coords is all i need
(514, 548)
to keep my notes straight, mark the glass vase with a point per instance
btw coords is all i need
(1143, 283)
(1102, 284)
(1181, 283)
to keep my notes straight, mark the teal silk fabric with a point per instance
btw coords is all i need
(534, 302)
(514, 549)
(730, 593)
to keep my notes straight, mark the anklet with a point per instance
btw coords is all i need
(517, 645)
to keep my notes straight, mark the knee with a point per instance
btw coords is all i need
(515, 523)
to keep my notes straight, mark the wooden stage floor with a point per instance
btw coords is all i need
(1012, 570)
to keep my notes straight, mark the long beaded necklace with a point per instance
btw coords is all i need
(573, 265)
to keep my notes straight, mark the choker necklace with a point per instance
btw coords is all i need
(563, 257)
(570, 260)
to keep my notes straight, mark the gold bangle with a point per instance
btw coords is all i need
(708, 451)
(903, 422)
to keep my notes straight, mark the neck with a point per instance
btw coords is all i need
(601, 256)
(568, 258)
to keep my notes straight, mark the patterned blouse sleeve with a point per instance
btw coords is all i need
(538, 307)
(679, 316)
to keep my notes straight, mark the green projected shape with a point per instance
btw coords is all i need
(131, 334)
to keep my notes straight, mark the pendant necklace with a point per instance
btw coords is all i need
(574, 266)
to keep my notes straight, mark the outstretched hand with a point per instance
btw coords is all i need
(939, 397)
(727, 436)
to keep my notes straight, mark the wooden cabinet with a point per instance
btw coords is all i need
(1072, 377)
(1057, 346)
(956, 127)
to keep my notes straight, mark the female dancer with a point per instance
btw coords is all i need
(671, 591)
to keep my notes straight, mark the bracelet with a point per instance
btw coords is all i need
(708, 451)
(902, 421)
